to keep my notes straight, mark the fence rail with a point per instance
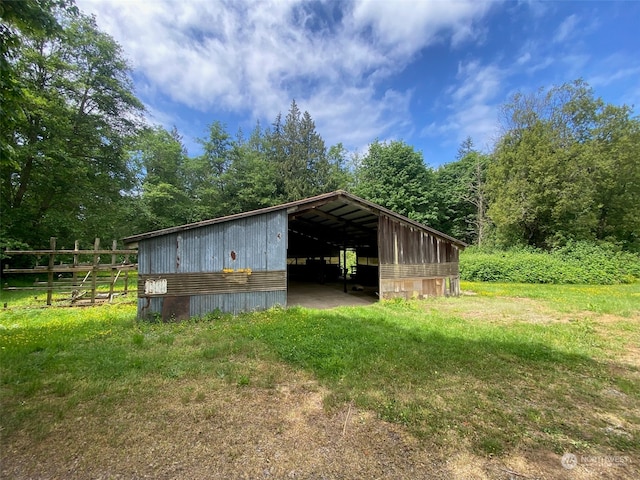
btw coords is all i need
(78, 284)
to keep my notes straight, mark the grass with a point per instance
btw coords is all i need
(509, 368)
(28, 297)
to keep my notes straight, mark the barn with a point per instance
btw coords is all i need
(254, 260)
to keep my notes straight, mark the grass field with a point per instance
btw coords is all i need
(498, 383)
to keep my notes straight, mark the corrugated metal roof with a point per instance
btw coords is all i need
(340, 209)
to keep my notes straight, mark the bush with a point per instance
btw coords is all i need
(580, 262)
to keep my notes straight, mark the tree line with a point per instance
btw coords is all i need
(79, 161)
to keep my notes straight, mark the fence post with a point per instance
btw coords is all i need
(76, 247)
(114, 246)
(52, 245)
(94, 273)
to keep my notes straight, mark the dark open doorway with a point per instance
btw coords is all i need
(332, 255)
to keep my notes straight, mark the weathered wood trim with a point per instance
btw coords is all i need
(423, 270)
(179, 284)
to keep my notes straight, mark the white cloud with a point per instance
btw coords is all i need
(524, 58)
(566, 29)
(473, 105)
(253, 57)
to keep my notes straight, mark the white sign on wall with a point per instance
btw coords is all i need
(155, 287)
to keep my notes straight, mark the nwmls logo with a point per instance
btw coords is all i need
(571, 461)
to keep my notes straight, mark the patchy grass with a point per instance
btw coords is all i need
(503, 379)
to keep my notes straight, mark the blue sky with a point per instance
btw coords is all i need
(429, 73)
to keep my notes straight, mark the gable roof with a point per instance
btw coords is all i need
(329, 210)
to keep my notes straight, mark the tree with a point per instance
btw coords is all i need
(68, 163)
(20, 19)
(300, 157)
(394, 175)
(462, 195)
(159, 199)
(206, 173)
(563, 169)
(340, 177)
(251, 179)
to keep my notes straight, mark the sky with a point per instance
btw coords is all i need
(429, 73)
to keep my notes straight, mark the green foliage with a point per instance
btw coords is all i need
(564, 170)
(462, 197)
(68, 165)
(574, 263)
(251, 180)
(300, 157)
(75, 164)
(159, 198)
(19, 19)
(395, 176)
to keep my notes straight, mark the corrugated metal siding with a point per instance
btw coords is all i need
(180, 284)
(414, 262)
(236, 302)
(257, 243)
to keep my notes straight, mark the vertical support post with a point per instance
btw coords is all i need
(114, 246)
(52, 245)
(344, 258)
(94, 271)
(344, 264)
(76, 247)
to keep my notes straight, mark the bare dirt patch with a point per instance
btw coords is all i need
(511, 309)
(499, 310)
(213, 430)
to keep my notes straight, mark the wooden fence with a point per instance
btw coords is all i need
(81, 278)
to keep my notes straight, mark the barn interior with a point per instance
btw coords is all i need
(332, 254)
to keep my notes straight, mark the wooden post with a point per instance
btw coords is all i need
(76, 247)
(52, 256)
(94, 276)
(114, 246)
(344, 257)
(126, 274)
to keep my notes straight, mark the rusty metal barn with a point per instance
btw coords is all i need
(283, 254)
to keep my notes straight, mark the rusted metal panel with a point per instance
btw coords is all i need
(214, 260)
(149, 307)
(201, 305)
(175, 309)
(237, 302)
(409, 288)
(178, 284)
(257, 242)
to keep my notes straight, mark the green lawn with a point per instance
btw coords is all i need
(501, 369)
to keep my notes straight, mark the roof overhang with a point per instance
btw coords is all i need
(354, 219)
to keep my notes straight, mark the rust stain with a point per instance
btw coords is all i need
(178, 252)
(233, 255)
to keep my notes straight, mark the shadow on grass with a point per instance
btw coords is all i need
(447, 378)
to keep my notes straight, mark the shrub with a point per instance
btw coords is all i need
(579, 262)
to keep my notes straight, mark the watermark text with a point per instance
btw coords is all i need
(571, 461)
